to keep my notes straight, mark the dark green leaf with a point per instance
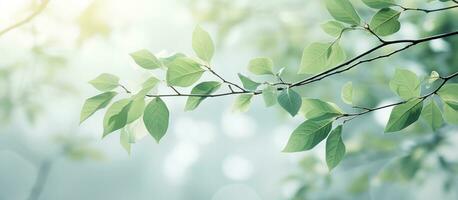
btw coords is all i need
(385, 22)
(116, 116)
(308, 135)
(290, 100)
(404, 115)
(335, 148)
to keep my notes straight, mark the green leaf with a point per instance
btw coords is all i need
(124, 139)
(319, 57)
(156, 118)
(105, 82)
(204, 88)
(242, 103)
(404, 115)
(315, 108)
(343, 10)
(406, 84)
(202, 44)
(450, 115)
(449, 94)
(146, 59)
(147, 86)
(335, 148)
(261, 66)
(136, 109)
(290, 100)
(347, 93)
(95, 103)
(385, 22)
(432, 115)
(333, 28)
(379, 4)
(183, 72)
(248, 83)
(269, 95)
(116, 116)
(307, 135)
(167, 60)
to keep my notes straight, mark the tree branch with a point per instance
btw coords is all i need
(352, 116)
(428, 10)
(334, 70)
(27, 19)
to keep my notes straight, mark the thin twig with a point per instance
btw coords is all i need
(223, 79)
(428, 10)
(27, 19)
(352, 116)
(331, 71)
(175, 90)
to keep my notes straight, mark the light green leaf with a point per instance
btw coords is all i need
(343, 10)
(336, 55)
(147, 86)
(335, 148)
(319, 57)
(406, 84)
(204, 88)
(124, 139)
(248, 83)
(333, 28)
(379, 4)
(136, 109)
(95, 103)
(449, 94)
(347, 93)
(242, 103)
(308, 135)
(434, 76)
(450, 115)
(290, 100)
(167, 60)
(315, 108)
(269, 95)
(183, 72)
(432, 115)
(404, 115)
(202, 44)
(385, 22)
(146, 59)
(261, 66)
(105, 82)
(116, 116)
(156, 118)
